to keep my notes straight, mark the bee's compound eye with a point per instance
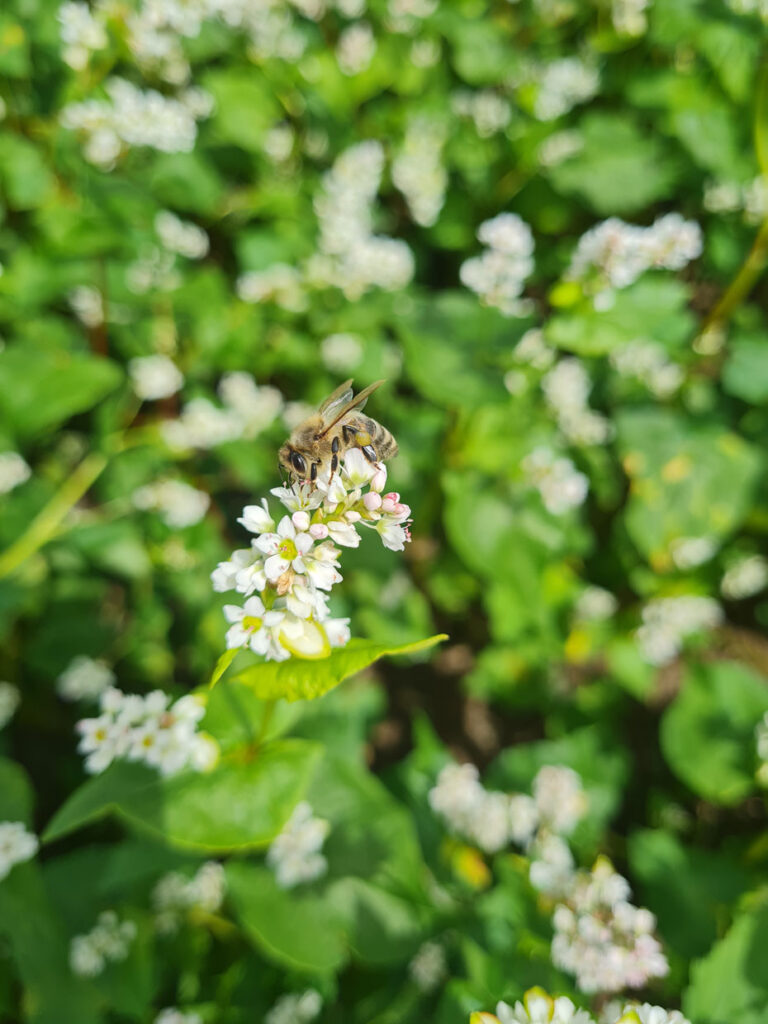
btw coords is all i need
(298, 463)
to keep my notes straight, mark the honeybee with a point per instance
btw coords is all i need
(338, 425)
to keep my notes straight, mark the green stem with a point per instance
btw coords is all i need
(46, 524)
(237, 707)
(266, 718)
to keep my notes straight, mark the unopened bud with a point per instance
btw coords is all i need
(372, 501)
(300, 520)
(319, 531)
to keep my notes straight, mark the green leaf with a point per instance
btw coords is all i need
(708, 733)
(380, 924)
(15, 793)
(731, 983)
(41, 389)
(299, 929)
(245, 107)
(297, 679)
(745, 374)
(222, 664)
(26, 179)
(238, 805)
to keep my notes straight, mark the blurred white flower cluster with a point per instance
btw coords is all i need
(247, 409)
(181, 236)
(601, 938)
(744, 577)
(293, 563)
(170, 1015)
(428, 967)
(81, 33)
(566, 390)
(667, 621)
(280, 283)
(618, 253)
(154, 377)
(499, 273)
(84, 678)
(295, 1008)
(647, 362)
(10, 698)
(134, 117)
(595, 604)
(176, 896)
(295, 855)
(537, 1007)
(351, 257)
(492, 819)
(688, 552)
(418, 170)
(13, 471)
(562, 85)
(751, 198)
(87, 304)
(178, 504)
(17, 844)
(489, 112)
(561, 486)
(356, 48)
(109, 941)
(148, 729)
(629, 16)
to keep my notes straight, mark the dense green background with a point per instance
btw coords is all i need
(667, 755)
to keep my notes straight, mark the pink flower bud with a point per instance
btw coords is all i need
(372, 501)
(401, 510)
(392, 495)
(387, 504)
(300, 520)
(352, 516)
(319, 531)
(379, 479)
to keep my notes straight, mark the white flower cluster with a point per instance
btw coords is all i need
(351, 257)
(493, 819)
(489, 112)
(498, 274)
(170, 1015)
(758, 7)
(178, 504)
(418, 170)
(154, 377)
(745, 577)
(629, 16)
(341, 353)
(537, 1007)
(295, 855)
(294, 563)
(132, 117)
(566, 389)
(667, 621)
(688, 552)
(88, 305)
(602, 939)
(148, 729)
(84, 678)
(621, 252)
(17, 845)
(295, 1008)
(356, 48)
(562, 85)
(280, 283)
(558, 147)
(247, 410)
(181, 236)
(561, 486)
(10, 698)
(13, 471)
(595, 604)
(175, 896)
(109, 941)
(728, 197)
(428, 967)
(81, 33)
(646, 361)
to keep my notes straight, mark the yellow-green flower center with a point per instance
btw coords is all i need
(288, 550)
(252, 623)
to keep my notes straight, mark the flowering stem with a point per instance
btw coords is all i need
(46, 524)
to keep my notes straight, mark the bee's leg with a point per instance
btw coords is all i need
(313, 471)
(334, 457)
(369, 452)
(348, 434)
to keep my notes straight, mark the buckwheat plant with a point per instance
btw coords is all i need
(287, 573)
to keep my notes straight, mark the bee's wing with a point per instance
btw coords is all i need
(343, 401)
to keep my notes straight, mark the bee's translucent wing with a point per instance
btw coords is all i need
(337, 405)
(336, 400)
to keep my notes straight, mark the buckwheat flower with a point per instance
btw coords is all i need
(16, 846)
(295, 1008)
(294, 856)
(647, 362)
(109, 941)
(155, 377)
(745, 577)
(176, 896)
(255, 627)
(178, 504)
(356, 48)
(341, 352)
(668, 621)
(523, 818)
(532, 350)
(13, 471)
(418, 170)
(673, 242)
(84, 679)
(562, 85)
(428, 967)
(279, 142)
(202, 425)
(688, 552)
(539, 1008)
(559, 483)
(181, 236)
(280, 283)
(629, 16)
(497, 276)
(559, 147)
(88, 305)
(560, 800)
(552, 868)
(646, 1013)
(81, 33)
(425, 53)
(10, 698)
(595, 604)
(489, 112)
(170, 1015)
(256, 406)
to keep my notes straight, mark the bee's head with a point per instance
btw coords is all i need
(296, 463)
